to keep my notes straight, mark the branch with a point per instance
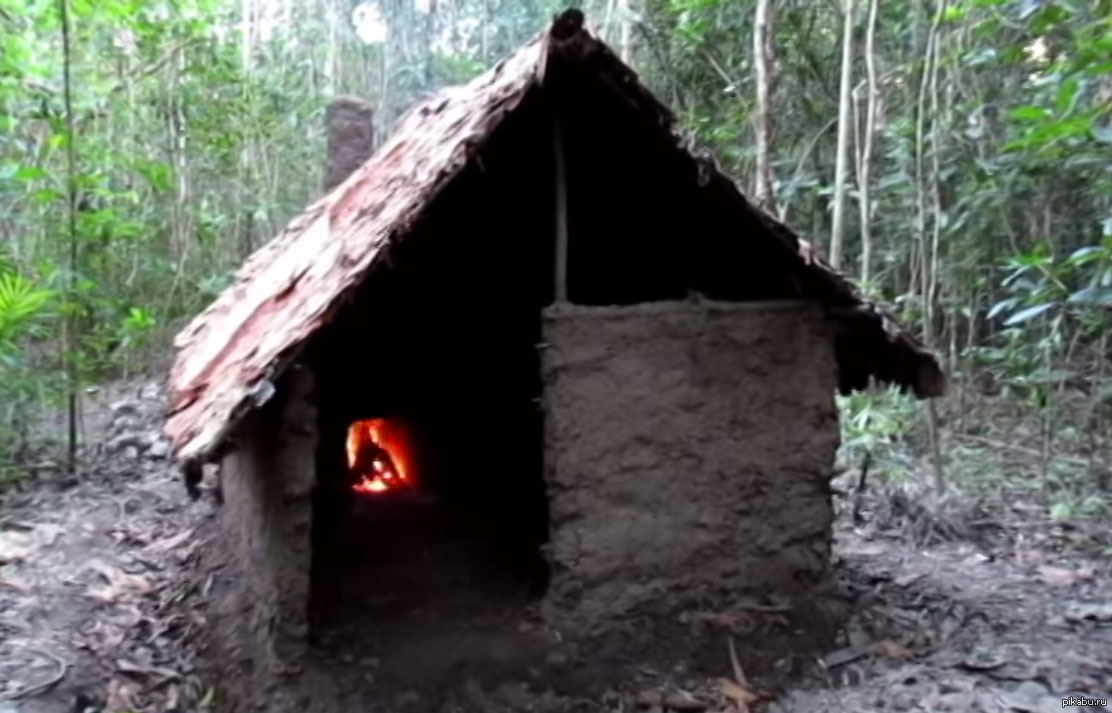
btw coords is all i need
(63, 669)
(158, 64)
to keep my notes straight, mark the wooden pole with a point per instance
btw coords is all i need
(561, 209)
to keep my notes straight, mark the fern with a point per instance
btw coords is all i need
(21, 302)
(23, 311)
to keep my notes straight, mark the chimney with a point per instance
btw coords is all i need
(350, 138)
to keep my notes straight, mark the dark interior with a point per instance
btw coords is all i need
(444, 337)
(643, 224)
(445, 334)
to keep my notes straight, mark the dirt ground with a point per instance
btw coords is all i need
(954, 608)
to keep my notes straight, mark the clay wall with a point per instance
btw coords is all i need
(267, 481)
(689, 447)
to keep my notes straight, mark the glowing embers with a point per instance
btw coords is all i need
(380, 457)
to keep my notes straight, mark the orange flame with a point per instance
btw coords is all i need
(380, 455)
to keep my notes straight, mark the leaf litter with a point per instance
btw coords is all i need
(87, 566)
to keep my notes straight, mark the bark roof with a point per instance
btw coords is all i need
(229, 355)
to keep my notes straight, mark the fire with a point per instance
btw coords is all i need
(380, 456)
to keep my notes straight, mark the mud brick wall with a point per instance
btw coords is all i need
(266, 521)
(688, 451)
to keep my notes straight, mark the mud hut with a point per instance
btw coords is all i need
(534, 354)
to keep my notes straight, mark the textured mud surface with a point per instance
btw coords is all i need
(689, 448)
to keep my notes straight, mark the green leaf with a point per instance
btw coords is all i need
(1095, 296)
(1049, 18)
(20, 301)
(1030, 113)
(1002, 305)
(1100, 69)
(158, 175)
(30, 173)
(1061, 511)
(1086, 255)
(47, 195)
(1067, 96)
(139, 319)
(979, 57)
(1030, 313)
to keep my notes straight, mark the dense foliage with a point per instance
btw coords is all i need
(981, 152)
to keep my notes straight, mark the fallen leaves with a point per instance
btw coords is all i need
(119, 583)
(1062, 576)
(208, 699)
(17, 546)
(841, 657)
(740, 695)
(982, 662)
(121, 696)
(62, 668)
(887, 648)
(167, 544)
(893, 650)
(94, 613)
(865, 549)
(906, 580)
(15, 584)
(1094, 613)
(157, 674)
(678, 701)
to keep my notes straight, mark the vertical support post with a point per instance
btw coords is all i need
(561, 194)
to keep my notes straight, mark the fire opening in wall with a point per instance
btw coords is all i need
(380, 457)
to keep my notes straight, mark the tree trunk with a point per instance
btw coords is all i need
(332, 51)
(928, 247)
(625, 18)
(430, 43)
(484, 36)
(864, 175)
(246, 32)
(841, 163)
(69, 323)
(763, 192)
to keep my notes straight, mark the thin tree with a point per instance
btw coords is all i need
(842, 161)
(430, 41)
(763, 193)
(928, 245)
(865, 197)
(69, 322)
(331, 61)
(484, 34)
(246, 35)
(625, 20)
